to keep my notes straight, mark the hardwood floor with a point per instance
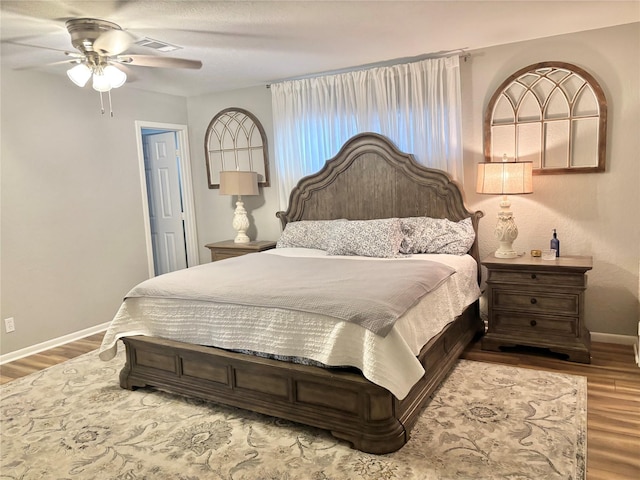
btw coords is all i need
(40, 361)
(613, 403)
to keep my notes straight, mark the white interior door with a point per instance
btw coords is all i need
(165, 202)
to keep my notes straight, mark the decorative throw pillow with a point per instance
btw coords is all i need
(369, 238)
(307, 234)
(436, 235)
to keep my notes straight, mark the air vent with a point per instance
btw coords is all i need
(157, 45)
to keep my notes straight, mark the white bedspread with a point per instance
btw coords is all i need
(388, 361)
(357, 292)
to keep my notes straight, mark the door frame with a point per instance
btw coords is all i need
(186, 185)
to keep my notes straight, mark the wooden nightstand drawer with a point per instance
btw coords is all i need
(536, 302)
(533, 325)
(230, 249)
(216, 256)
(537, 278)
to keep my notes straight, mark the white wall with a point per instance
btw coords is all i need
(215, 211)
(73, 239)
(595, 214)
(72, 212)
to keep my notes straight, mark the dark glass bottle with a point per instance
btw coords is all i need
(555, 243)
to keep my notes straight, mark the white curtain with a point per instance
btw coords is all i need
(416, 105)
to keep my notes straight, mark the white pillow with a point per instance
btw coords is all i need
(369, 238)
(436, 235)
(307, 234)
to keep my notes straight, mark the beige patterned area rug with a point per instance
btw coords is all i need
(73, 421)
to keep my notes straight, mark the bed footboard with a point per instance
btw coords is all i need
(343, 402)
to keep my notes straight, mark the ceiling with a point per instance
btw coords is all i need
(249, 43)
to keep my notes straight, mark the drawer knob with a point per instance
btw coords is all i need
(534, 301)
(533, 276)
(533, 323)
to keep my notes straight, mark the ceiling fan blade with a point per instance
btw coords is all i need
(61, 62)
(162, 62)
(31, 45)
(113, 42)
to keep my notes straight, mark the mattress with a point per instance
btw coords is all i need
(388, 361)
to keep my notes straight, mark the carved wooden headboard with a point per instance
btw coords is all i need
(370, 178)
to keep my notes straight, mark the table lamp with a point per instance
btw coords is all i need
(235, 182)
(505, 178)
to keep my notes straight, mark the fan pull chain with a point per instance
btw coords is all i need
(102, 110)
(110, 107)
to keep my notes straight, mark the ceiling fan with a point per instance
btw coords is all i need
(102, 56)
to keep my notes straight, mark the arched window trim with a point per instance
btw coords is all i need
(516, 78)
(240, 126)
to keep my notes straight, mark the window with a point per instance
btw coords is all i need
(235, 140)
(417, 105)
(553, 114)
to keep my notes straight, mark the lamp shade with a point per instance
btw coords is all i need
(80, 74)
(505, 178)
(116, 76)
(101, 82)
(233, 182)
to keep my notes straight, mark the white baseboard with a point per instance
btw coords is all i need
(56, 342)
(613, 338)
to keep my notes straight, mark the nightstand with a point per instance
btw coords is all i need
(538, 303)
(230, 249)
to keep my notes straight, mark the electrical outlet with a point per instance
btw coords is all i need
(9, 324)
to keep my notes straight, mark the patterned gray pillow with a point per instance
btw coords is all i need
(307, 234)
(369, 238)
(436, 235)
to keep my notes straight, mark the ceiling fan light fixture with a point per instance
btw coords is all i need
(115, 76)
(101, 82)
(80, 74)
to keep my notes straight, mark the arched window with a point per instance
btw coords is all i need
(553, 114)
(235, 140)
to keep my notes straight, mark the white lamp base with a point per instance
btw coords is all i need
(240, 222)
(506, 231)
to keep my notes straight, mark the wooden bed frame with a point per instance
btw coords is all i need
(369, 178)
